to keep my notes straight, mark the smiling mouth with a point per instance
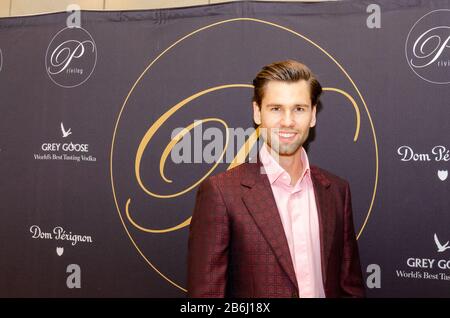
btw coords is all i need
(286, 136)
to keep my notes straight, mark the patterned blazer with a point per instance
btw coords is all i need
(237, 246)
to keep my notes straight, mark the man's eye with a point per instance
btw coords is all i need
(275, 108)
(300, 109)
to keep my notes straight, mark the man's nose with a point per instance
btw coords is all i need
(288, 119)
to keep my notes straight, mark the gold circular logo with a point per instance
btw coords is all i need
(124, 204)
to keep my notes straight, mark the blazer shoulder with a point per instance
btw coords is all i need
(233, 176)
(327, 176)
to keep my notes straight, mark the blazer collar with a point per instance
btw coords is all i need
(327, 218)
(260, 202)
(256, 173)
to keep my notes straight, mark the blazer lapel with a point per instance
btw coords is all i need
(260, 202)
(327, 219)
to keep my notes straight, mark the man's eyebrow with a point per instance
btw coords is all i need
(279, 105)
(302, 105)
(273, 105)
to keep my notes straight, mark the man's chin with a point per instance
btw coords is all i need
(287, 153)
(287, 150)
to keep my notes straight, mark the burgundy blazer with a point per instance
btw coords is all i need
(237, 245)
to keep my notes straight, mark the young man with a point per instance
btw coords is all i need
(278, 227)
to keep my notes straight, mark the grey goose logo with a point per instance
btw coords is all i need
(427, 47)
(440, 247)
(71, 57)
(65, 133)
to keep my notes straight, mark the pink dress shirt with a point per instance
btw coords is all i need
(298, 211)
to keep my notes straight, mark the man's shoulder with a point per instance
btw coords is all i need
(234, 174)
(328, 177)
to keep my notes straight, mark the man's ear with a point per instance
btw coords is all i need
(256, 114)
(313, 118)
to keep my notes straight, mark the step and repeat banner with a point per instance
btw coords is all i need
(110, 120)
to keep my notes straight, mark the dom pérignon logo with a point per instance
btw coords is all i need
(442, 174)
(427, 47)
(71, 57)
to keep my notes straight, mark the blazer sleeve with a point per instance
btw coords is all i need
(351, 281)
(208, 243)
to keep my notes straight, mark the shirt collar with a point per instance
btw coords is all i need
(275, 171)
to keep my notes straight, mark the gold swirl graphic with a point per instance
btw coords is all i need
(152, 130)
(355, 106)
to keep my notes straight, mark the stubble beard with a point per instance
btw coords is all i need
(284, 149)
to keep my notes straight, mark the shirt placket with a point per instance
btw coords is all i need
(299, 222)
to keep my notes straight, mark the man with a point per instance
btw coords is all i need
(277, 227)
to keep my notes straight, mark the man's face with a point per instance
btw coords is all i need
(286, 115)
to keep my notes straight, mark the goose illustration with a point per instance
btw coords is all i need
(65, 133)
(440, 247)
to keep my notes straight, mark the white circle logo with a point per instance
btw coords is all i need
(71, 57)
(427, 47)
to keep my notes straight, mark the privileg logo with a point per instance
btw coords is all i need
(71, 57)
(427, 47)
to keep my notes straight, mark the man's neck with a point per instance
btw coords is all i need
(292, 164)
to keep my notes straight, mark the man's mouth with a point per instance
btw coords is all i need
(286, 136)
